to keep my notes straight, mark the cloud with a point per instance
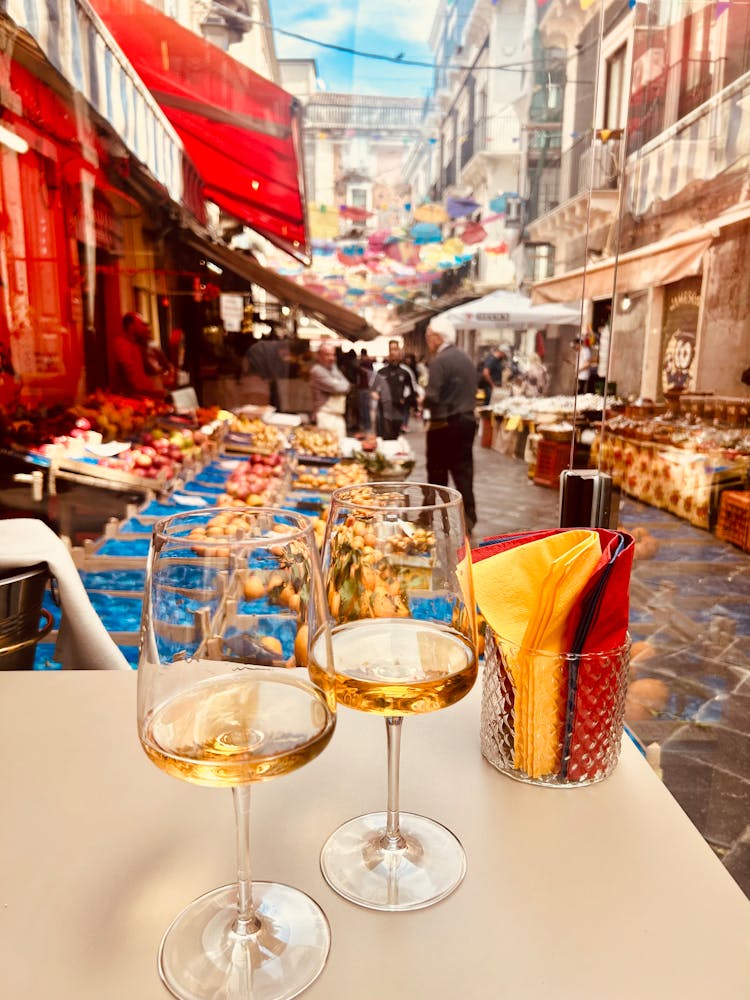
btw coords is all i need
(373, 26)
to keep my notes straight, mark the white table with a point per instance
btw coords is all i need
(595, 893)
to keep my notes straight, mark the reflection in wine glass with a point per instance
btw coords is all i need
(233, 598)
(396, 566)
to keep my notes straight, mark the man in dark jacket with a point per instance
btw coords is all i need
(396, 392)
(451, 398)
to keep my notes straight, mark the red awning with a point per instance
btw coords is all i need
(241, 131)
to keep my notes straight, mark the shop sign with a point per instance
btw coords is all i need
(679, 334)
(232, 311)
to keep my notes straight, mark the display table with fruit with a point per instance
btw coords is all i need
(677, 462)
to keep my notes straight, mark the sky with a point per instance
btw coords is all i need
(383, 27)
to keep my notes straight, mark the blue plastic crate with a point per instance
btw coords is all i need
(115, 580)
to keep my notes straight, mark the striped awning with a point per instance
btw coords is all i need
(75, 41)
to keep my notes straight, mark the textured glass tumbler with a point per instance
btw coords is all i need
(553, 718)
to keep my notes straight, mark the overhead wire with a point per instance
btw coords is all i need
(519, 66)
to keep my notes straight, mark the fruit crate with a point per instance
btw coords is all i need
(552, 458)
(733, 524)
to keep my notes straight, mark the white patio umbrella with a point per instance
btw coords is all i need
(510, 309)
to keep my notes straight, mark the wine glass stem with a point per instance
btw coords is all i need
(393, 841)
(246, 922)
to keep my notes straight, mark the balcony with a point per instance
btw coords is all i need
(589, 179)
(492, 139)
(664, 95)
(706, 143)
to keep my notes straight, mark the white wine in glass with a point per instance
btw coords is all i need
(233, 599)
(397, 571)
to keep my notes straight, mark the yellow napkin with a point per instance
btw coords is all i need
(527, 594)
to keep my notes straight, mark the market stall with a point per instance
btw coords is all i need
(254, 457)
(679, 456)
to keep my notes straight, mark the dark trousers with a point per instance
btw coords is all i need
(449, 451)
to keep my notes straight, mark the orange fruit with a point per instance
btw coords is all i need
(253, 587)
(294, 602)
(300, 646)
(271, 643)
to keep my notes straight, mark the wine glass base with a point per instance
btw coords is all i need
(358, 866)
(201, 957)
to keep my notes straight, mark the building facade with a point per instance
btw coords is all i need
(653, 221)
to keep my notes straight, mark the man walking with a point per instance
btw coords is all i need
(396, 391)
(451, 398)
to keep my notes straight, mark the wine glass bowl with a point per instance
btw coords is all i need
(225, 699)
(397, 572)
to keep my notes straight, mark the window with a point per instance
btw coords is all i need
(358, 197)
(614, 91)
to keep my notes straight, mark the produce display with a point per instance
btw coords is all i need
(315, 441)
(326, 480)
(677, 459)
(251, 433)
(254, 482)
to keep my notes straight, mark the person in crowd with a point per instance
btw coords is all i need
(138, 369)
(536, 377)
(348, 363)
(491, 375)
(395, 389)
(583, 364)
(450, 399)
(329, 387)
(365, 375)
(410, 360)
(593, 379)
(271, 360)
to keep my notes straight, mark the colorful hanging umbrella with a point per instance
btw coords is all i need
(426, 232)
(317, 287)
(354, 214)
(453, 247)
(428, 277)
(500, 248)
(473, 232)
(430, 212)
(403, 252)
(460, 207)
(377, 241)
(498, 204)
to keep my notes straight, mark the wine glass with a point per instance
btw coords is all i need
(397, 571)
(233, 599)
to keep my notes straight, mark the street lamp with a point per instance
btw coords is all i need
(217, 30)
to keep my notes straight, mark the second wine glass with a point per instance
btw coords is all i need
(397, 569)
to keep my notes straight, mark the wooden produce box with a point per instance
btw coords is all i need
(733, 524)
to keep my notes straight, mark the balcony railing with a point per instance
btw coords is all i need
(589, 164)
(707, 143)
(498, 134)
(669, 96)
(365, 116)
